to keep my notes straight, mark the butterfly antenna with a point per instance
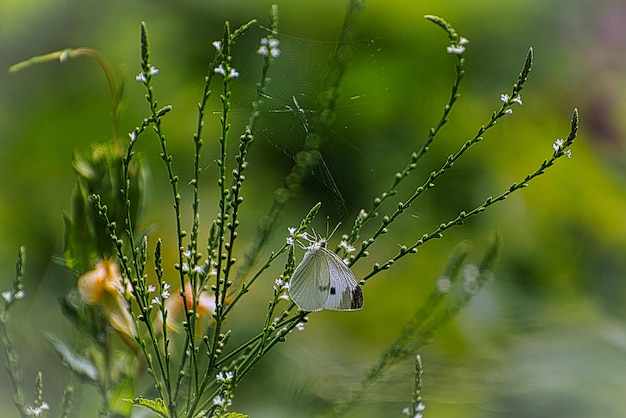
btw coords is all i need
(334, 230)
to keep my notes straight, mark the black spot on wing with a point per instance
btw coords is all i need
(357, 298)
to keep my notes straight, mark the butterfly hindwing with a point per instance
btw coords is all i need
(345, 293)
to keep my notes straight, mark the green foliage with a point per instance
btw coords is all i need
(154, 405)
(129, 319)
(99, 172)
(80, 366)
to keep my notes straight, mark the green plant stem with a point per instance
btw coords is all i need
(463, 216)
(145, 310)
(415, 156)
(329, 96)
(63, 55)
(15, 374)
(220, 280)
(12, 367)
(245, 287)
(430, 182)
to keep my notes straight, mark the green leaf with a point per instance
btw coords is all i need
(123, 391)
(156, 405)
(234, 415)
(79, 365)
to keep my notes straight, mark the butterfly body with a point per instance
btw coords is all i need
(323, 281)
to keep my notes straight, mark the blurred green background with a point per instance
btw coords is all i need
(545, 339)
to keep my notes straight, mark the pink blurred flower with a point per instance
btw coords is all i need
(105, 287)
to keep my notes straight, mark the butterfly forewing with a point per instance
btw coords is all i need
(310, 281)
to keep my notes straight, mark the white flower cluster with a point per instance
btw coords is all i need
(11, 295)
(420, 407)
(227, 73)
(269, 47)
(37, 411)
(558, 145)
(458, 48)
(142, 78)
(165, 293)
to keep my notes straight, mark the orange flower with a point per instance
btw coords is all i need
(176, 309)
(105, 287)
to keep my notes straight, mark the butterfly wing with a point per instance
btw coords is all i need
(310, 282)
(345, 293)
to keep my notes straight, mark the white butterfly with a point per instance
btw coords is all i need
(323, 281)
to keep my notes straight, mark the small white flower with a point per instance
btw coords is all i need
(225, 377)
(406, 410)
(280, 284)
(8, 295)
(421, 406)
(274, 52)
(273, 43)
(463, 41)
(226, 73)
(444, 284)
(19, 294)
(558, 144)
(263, 50)
(344, 244)
(64, 55)
(198, 269)
(187, 254)
(471, 285)
(156, 301)
(141, 77)
(165, 293)
(289, 240)
(151, 289)
(568, 153)
(517, 99)
(285, 296)
(153, 70)
(132, 136)
(292, 230)
(470, 279)
(455, 49)
(37, 411)
(220, 70)
(219, 401)
(508, 112)
(504, 98)
(300, 326)
(217, 44)
(185, 268)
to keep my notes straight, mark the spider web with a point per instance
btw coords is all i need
(291, 105)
